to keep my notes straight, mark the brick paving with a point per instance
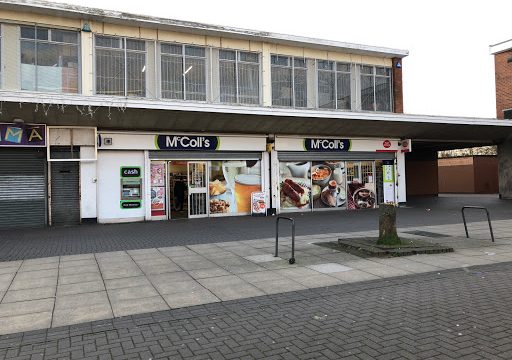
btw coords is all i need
(20, 244)
(451, 314)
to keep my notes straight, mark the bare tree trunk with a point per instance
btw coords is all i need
(387, 225)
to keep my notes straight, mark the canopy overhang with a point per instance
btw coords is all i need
(433, 132)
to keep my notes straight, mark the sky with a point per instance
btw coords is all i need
(449, 70)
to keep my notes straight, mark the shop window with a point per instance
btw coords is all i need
(183, 72)
(334, 85)
(289, 81)
(239, 77)
(120, 66)
(324, 185)
(375, 88)
(231, 184)
(49, 59)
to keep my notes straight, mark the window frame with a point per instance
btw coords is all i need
(237, 61)
(291, 65)
(334, 70)
(183, 58)
(124, 50)
(47, 41)
(374, 76)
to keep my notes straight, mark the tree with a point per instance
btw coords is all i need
(387, 225)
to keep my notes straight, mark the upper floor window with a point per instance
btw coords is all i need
(289, 81)
(239, 77)
(120, 66)
(375, 88)
(49, 59)
(334, 85)
(183, 72)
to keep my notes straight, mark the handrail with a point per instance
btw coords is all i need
(292, 259)
(488, 219)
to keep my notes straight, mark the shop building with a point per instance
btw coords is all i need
(143, 118)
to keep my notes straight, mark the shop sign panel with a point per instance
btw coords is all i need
(187, 142)
(30, 135)
(388, 171)
(327, 145)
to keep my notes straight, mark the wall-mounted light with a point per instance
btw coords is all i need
(86, 27)
(398, 65)
(17, 122)
(509, 60)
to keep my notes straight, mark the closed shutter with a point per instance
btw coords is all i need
(324, 156)
(65, 193)
(22, 188)
(195, 155)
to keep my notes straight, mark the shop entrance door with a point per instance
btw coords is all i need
(197, 189)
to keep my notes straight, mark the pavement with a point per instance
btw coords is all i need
(21, 244)
(234, 299)
(64, 290)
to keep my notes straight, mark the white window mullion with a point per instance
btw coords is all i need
(236, 78)
(125, 67)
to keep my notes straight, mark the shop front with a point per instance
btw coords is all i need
(184, 175)
(321, 174)
(23, 176)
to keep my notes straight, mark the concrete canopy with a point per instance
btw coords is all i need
(429, 132)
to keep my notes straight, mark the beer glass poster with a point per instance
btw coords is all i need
(231, 184)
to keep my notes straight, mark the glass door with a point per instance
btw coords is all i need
(197, 189)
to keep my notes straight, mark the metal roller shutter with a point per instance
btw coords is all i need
(65, 192)
(192, 155)
(22, 188)
(322, 156)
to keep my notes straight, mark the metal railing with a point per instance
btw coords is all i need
(292, 259)
(488, 219)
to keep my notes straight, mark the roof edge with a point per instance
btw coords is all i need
(78, 11)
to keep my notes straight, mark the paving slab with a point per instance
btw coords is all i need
(296, 272)
(78, 262)
(230, 287)
(81, 314)
(36, 274)
(9, 270)
(319, 280)
(77, 257)
(329, 268)
(29, 294)
(19, 323)
(77, 278)
(30, 283)
(262, 258)
(129, 293)
(116, 273)
(164, 286)
(197, 296)
(386, 271)
(354, 276)
(26, 307)
(259, 276)
(135, 281)
(81, 300)
(138, 306)
(159, 268)
(81, 269)
(276, 286)
(206, 273)
(80, 288)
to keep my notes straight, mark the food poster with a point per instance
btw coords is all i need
(231, 184)
(328, 180)
(360, 186)
(157, 189)
(295, 185)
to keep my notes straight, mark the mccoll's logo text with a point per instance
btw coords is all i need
(327, 144)
(187, 142)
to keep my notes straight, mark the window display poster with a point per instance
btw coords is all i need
(388, 170)
(157, 174)
(328, 180)
(157, 201)
(157, 189)
(295, 185)
(258, 204)
(231, 184)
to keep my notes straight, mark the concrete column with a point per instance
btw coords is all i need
(87, 61)
(505, 168)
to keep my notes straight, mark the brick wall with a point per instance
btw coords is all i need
(398, 95)
(503, 71)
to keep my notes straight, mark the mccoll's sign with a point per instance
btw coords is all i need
(187, 142)
(327, 144)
